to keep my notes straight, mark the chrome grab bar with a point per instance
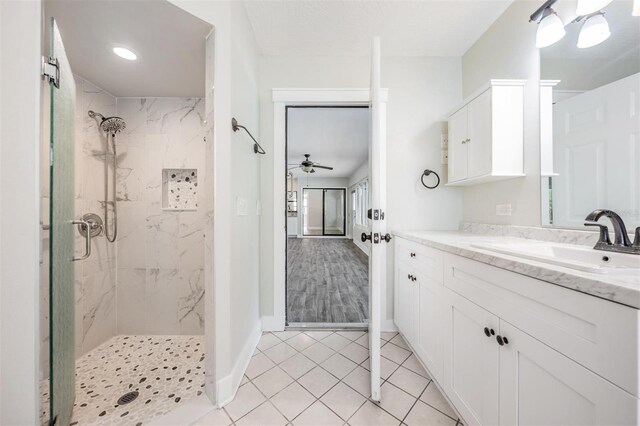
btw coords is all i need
(87, 238)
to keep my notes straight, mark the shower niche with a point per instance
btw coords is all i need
(179, 189)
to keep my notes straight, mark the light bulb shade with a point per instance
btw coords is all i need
(587, 7)
(550, 30)
(306, 169)
(594, 31)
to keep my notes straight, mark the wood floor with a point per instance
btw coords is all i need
(327, 281)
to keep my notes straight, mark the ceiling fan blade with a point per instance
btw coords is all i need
(322, 167)
(296, 167)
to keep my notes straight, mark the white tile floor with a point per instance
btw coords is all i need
(321, 378)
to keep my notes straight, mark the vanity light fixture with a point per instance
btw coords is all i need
(594, 31)
(550, 26)
(587, 7)
(125, 53)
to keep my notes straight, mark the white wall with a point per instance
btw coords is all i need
(95, 278)
(160, 259)
(361, 173)
(232, 310)
(507, 50)
(421, 92)
(20, 56)
(245, 178)
(572, 75)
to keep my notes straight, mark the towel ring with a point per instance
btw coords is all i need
(428, 172)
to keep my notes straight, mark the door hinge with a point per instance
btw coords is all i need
(377, 214)
(51, 70)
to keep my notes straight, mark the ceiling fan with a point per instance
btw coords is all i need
(309, 166)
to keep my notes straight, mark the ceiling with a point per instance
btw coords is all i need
(336, 137)
(343, 27)
(624, 41)
(169, 42)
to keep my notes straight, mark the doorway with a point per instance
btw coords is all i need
(327, 279)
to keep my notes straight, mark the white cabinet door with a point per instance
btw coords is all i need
(539, 386)
(471, 364)
(404, 306)
(458, 146)
(480, 137)
(429, 326)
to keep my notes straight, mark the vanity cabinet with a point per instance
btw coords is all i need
(472, 360)
(540, 386)
(404, 301)
(418, 302)
(507, 349)
(486, 135)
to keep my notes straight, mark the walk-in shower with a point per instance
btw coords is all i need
(110, 126)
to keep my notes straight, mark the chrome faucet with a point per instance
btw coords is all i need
(621, 242)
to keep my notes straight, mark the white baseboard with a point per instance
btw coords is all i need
(272, 323)
(388, 325)
(228, 385)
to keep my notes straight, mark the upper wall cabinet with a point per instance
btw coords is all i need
(486, 135)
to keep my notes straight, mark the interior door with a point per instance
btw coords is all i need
(378, 254)
(596, 152)
(61, 241)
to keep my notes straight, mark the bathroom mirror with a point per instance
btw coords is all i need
(590, 122)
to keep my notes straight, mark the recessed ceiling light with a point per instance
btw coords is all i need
(125, 53)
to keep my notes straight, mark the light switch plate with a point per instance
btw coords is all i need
(503, 210)
(242, 206)
(258, 208)
(444, 141)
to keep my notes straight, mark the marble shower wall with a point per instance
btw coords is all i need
(95, 277)
(160, 260)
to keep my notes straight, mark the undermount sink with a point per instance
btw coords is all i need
(575, 257)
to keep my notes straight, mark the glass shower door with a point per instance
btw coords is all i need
(61, 240)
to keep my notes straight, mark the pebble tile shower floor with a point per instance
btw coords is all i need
(165, 370)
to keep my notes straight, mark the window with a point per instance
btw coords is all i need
(361, 203)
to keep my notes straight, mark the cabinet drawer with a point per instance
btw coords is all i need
(599, 334)
(424, 260)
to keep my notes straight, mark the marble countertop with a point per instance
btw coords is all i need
(623, 289)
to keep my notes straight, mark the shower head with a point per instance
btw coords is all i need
(113, 125)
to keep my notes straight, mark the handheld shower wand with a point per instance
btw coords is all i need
(111, 126)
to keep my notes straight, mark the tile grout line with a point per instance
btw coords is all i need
(316, 399)
(316, 364)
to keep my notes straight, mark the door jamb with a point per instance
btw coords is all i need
(299, 97)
